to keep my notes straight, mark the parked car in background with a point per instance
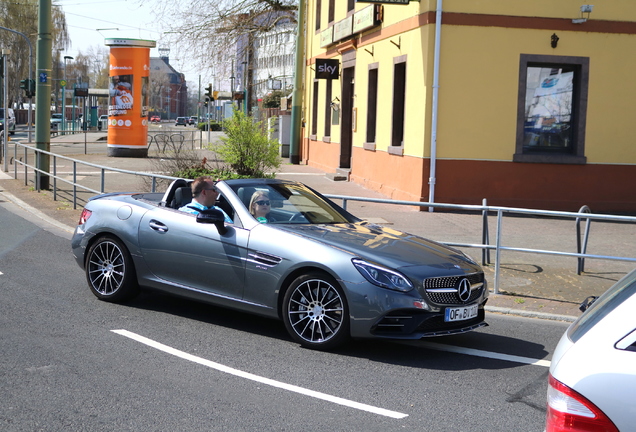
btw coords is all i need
(155, 119)
(56, 119)
(102, 122)
(7, 119)
(306, 261)
(592, 381)
(181, 121)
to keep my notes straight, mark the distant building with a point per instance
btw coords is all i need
(168, 88)
(274, 60)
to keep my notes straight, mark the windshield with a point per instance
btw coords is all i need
(289, 203)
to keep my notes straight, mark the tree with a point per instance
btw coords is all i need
(247, 148)
(21, 17)
(215, 32)
(272, 100)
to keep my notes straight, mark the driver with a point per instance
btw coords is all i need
(204, 195)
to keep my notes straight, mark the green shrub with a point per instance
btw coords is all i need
(214, 126)
(204, 169)
(246, 147)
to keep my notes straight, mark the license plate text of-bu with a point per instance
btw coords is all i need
(461, 313)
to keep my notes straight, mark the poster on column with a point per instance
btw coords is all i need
(128, 96)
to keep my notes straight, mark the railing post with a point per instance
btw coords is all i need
(580, 268)
(54, 178)
(74, 185)
(485, 252)
(37, 171)
(102, 186)
(15, 158)
(498, 250)
(26, 163)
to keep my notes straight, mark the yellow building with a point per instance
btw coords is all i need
(527, 104)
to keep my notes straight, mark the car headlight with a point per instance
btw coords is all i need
(382, 276)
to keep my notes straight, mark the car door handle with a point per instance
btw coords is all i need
(158, 226)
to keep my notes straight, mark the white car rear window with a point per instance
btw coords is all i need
(610, 300)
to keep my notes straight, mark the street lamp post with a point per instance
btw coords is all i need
(63, 122)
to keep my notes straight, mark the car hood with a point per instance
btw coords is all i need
(387, 246)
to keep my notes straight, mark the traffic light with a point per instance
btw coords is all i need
(208, 92)
(28, 85)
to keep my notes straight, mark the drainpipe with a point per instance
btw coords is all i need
(297, 95)
(438, 33)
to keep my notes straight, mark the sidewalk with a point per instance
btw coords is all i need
(530, 284)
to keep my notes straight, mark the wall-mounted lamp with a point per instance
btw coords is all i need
(335, 104)
(585, 9)
(554, 40)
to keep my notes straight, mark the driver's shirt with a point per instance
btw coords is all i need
(199, 207)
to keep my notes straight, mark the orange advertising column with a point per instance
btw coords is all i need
(128, 97)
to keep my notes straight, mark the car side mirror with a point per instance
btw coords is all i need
(213, 216)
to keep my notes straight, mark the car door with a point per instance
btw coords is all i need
(181, 251)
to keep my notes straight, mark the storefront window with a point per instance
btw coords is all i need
(552, 107)
(548, 123)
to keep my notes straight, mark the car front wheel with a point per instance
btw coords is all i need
(110, 271)
(315, 312)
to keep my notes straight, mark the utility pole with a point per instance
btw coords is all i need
(43, 93)
(5, 128)
(29, 115)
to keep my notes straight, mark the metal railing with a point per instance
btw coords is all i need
(485, 210)
(24, 162)
(498, 247)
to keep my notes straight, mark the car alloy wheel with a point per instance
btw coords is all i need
(109, 270)
(315, 312)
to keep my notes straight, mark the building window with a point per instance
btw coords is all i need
(332, 10)
(328, 109)
(314, 113)
(318, 10)
(351, 5)
(372, 103)
(552, 109)
(399, 101)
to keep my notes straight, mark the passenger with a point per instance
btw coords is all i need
(260, 206)
(204, 195)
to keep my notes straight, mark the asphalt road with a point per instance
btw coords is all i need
(71, 362)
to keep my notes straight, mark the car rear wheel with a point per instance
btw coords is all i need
(110, 271)
(315, 312)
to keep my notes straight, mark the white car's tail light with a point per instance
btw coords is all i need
(568, 411)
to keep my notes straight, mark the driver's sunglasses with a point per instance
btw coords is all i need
(262, 202)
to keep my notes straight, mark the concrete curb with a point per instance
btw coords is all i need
(18, 202)
(530, 314)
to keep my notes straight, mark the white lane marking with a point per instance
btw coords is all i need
(262, 380)
(481, 353)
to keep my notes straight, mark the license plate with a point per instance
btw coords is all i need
(461, 313)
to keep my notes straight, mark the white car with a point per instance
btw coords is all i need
(592, 383)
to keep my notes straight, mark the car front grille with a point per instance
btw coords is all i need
(443, 290)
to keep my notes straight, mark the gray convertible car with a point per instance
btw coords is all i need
(327, 274)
